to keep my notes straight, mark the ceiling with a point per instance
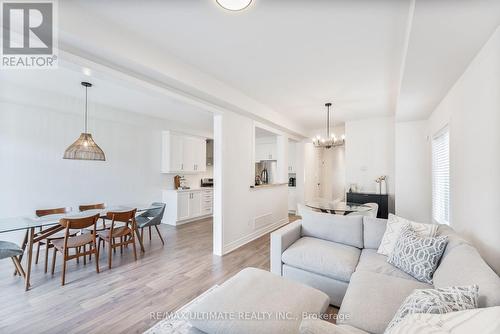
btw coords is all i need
(369, 58)
(61, 90)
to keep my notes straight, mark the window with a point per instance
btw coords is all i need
(441, 177)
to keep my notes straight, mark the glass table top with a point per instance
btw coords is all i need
(22, 223)
(334, 206)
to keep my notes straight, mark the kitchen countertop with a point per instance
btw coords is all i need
(264, 186)
(192, 189)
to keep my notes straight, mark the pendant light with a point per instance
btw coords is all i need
(330, 140)
(85, 148)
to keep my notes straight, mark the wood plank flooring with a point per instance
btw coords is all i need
(121, 300)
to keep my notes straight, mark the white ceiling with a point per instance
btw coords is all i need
(61, 88)
(290, 57)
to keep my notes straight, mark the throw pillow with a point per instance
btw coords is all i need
(481, 320)
(393, 230)
(416, 255)
(436, 301)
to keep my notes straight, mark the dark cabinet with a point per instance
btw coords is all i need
(381, 200)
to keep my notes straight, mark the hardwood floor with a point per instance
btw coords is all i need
(121, 299)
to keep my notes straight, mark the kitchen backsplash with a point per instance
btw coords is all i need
(192, 180)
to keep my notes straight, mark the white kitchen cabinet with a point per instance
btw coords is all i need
(182, 153)
(292, 199)
(195, 204)
(265, 151)
(292, 157)
(184, 206)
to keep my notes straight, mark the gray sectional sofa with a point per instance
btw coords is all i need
(338, 255)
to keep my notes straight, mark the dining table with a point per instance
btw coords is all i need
(49, 225)
(337, 207)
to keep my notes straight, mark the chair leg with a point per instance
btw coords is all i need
(84, 255)
(18, 266)
(149, 233)
(37, 252)
(77, 250)
(121, 246)
(114, 249)
(96, 248)
(110, 254)
(159, 234)
(65, 254)
(54, 260)
(142, 235)
(47, 257)
(133, 243)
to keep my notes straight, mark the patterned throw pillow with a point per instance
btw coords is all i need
(436, 301)
(393, 230)
(416, 255)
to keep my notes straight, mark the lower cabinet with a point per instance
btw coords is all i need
(184, 206)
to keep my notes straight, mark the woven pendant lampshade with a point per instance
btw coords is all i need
(85, 148)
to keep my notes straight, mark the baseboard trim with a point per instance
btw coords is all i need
(181, 222)
(252, 236)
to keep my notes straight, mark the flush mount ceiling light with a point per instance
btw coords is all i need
(234, 5)
(330, 140)
(84, 148)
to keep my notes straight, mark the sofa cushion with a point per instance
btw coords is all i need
(372, 299)
(335, 289)
(373, 231)
(437, 301)
(323, 257)
(464, 266)
(346, 230)
(416, 255)
(393, 230)
(254, 292)
(371, 261)
(454, 239)
(318, 326)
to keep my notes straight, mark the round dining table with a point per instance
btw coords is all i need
(336, 207)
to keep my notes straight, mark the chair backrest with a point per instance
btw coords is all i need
(301, 208)
(92, 207)
(46, 212)
(79, 223)
(156, 213)
(374, 211)
(121, 216)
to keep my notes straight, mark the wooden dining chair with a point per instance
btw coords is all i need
(125, 234)
(77, 242)
(48, 242)
(98, 206)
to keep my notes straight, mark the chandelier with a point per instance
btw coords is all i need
(330, 140)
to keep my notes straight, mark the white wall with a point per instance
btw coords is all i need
(333, 173)
(245, 213)
(413, 171)
(472, 110)
(34, 175)
(369, 153)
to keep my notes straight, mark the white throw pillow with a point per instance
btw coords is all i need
(482, 320)
(436, 301)
(393, 230)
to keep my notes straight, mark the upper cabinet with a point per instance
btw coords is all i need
(182, 153)
(265, 148)
(292, 151)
